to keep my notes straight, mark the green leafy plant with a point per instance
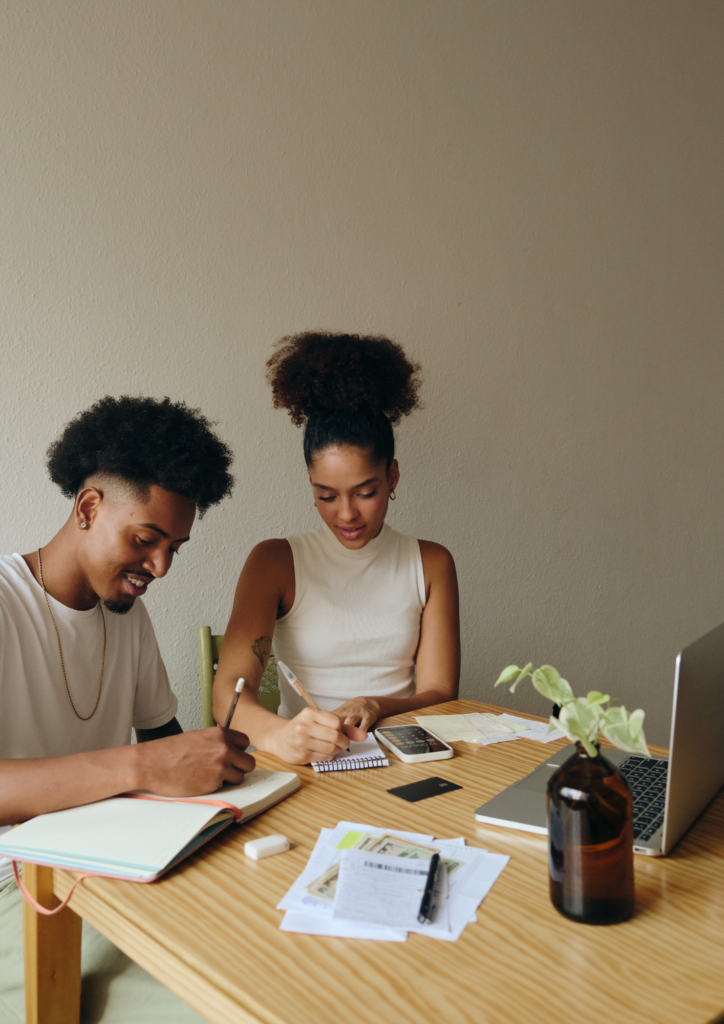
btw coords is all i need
(582, 719)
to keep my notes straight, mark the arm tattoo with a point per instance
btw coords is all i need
(261, 648)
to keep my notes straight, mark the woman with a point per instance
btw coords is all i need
(366, 617)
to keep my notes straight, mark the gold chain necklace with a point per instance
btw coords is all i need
(60, 648)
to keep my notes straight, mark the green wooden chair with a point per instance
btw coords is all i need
(209, 652)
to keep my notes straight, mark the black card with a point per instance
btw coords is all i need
(421, 790)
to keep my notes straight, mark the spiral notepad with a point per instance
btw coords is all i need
(366, 754)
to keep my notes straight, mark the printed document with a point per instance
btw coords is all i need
(376, 889)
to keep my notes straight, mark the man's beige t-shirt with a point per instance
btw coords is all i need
(36, 718)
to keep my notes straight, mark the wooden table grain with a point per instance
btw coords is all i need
(209, 930)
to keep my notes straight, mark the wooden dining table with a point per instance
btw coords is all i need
(209, 929)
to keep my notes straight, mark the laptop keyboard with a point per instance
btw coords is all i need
(646, 777)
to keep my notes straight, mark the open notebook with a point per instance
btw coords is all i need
(138, 836)
(366, 754)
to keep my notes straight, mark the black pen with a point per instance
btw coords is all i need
(427, 907)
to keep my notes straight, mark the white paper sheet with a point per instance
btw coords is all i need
(491, 725)
(534, 730)
(468, 886)
(450, 728)
(486, 741)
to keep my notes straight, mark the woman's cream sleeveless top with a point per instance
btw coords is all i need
(354, 627)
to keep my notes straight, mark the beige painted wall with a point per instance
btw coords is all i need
(526, 194)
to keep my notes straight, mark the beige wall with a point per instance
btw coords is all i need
(526, 194)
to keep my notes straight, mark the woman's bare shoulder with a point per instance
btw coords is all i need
(270, 557)
(436, 556)
(271, 550)
(438, 565)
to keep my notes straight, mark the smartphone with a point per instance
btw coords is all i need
(413, 743)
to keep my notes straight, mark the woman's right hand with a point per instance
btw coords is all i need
(313, 735)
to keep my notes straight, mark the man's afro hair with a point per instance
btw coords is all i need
(144, 441)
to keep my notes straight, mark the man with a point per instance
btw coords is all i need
(79, 662)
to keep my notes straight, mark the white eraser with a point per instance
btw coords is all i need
(266, 847)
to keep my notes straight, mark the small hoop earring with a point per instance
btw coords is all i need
(393, 496)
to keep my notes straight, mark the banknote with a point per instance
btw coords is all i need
(324, 887)
(397, 847)
(416, 854)
(369, 843)
(393, 846)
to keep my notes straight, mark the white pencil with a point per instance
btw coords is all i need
(234, 701)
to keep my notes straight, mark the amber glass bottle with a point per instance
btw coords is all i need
(590, 840)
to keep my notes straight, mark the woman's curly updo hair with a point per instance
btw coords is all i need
(347, 388)
(144, 441)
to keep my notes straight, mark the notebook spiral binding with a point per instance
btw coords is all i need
(350, 764)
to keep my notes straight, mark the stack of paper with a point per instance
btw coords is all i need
(451, 728)
(531, 730)
(350, 887)
(485, 728)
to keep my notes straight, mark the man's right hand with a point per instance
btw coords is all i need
(193, 763)
(313, 735)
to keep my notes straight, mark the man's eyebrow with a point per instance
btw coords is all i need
(152, 526)
(325, 487)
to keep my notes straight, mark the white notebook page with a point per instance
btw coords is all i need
(120, 836)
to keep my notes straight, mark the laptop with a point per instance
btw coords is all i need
(669, 793)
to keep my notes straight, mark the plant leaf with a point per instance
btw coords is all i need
(507, 675)
(616, 716)
(625, 731)
(525, 671)
(569, 722)
(596, 697)
(548, 681)
(588, 718)
(635, 722)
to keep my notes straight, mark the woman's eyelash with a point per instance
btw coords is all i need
(333, 496)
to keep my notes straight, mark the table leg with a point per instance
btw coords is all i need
(52, 954)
